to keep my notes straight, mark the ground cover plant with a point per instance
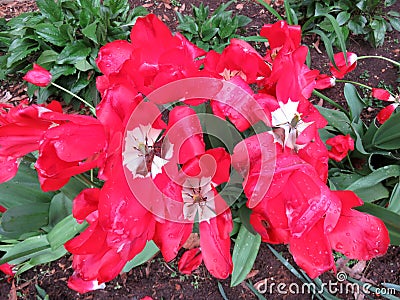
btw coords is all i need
(147, 138)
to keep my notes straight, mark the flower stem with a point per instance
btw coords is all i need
(92, 109)
(380, 57)
(354, 82)
(330, 101)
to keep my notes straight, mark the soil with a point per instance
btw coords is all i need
(161, 280)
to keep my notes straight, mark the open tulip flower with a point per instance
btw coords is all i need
(164, 178)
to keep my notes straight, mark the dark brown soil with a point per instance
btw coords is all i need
(161, 280)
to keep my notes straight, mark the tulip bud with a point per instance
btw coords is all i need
(38, 76)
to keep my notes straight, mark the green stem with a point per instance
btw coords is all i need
(354, 82)
(92, 109)
(330, 101)
(380, 57)
(349, 160)
(84, 180)
(270, 9)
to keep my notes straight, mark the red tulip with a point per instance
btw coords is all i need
(386, 112)
(340, 146)
(344, 65)
(38, 76)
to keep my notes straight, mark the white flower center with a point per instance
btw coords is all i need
(198, 198)
(287, 118)
(145, 153)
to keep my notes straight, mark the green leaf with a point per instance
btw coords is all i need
(23, 189)
(395, 22)
(25, 218)
(375, 177)
(90, 31)
(47, 56)
(327, 44)
(65, 230)
(42, 257)
(25, 250)
(50, 9)
(147, 253)
(51, 34)
(355, 102)
(60, 207)
(244, 254)
(73, 52)
(343, 17)
(387, 136)
(83, 65)
(338, 32)
(208, 34)
(357, 24)
(378, 27)
(390, 219)
(394, 201)
(336, 119)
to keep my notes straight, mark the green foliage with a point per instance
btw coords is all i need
(362, 17)
(373, 169)
(36, 224)
(211, 31)
(65, 37)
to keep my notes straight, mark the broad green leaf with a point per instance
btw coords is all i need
(336, 119)
(357, 24)
(47, 56)
(20, 54)
(73, 52)
(25, 249)
(90, 31)
(342, 18)
(83, 65)
(387, 136)
(29, 217)
(394, 201)
(208, 34)
(338, 32)
(395, 22)
(327, 43)
(51, 34)
(60, 207)
(24, 188)
(390, 219)
(244, 214)
(244, 254)
(50, 9)
(378, 27)
(354, 101)
(147, 253)
(42, 257)
(65, 230)
(375, 177)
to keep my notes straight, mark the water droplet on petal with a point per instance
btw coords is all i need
(339, 246)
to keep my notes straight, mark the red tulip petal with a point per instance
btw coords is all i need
(38, 76)
(386, 112)
(190, 261)
(112, 56)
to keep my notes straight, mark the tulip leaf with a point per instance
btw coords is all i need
(25, 218)
(60, 207)
(394, 201)
(390, 219)
(147, 253)
(387, 136)
(355, 102)
(244, 254)
(42, 257)
(65, 230)
(336, 119)
(25, 250)
(23, 188)
(375, 177)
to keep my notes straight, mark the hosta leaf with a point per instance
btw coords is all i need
(244, 254)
